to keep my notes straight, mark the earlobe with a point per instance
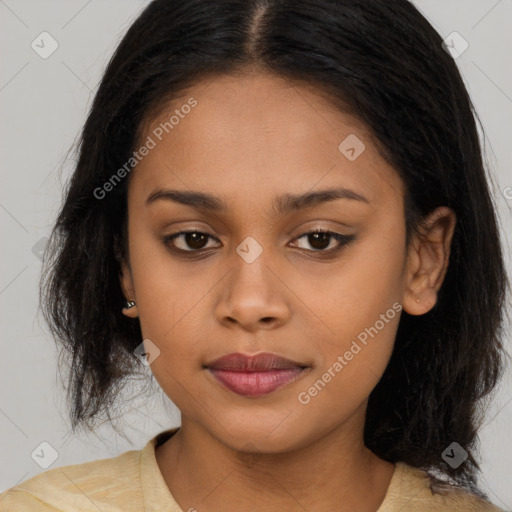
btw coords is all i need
(130, 309)
(427, 261)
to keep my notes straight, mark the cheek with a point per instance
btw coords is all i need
(169, 294)
(361, 306)
(364, 285)
(352, 366)
(165, 291)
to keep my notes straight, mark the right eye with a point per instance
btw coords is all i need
(193, 239)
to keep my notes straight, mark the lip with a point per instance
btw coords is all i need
(255, 375)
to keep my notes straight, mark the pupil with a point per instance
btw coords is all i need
(320, 238)
(193, 240)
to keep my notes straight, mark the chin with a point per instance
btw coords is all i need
(265, 434)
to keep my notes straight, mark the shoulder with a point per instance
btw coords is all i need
(97, 485)
(412, 489)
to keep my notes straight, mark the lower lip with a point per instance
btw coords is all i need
(256, 383)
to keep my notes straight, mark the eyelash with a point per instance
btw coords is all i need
(343, 240)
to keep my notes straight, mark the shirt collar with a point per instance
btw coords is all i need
(156, 494)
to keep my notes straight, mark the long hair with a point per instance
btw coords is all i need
(379, 60)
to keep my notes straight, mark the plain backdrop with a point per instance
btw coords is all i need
(43, 104)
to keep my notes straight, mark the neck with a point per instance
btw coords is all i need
(335, 472)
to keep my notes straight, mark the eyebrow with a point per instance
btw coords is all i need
(285, 203)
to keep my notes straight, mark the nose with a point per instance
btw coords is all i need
(253, 297)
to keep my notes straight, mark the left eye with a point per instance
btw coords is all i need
(318, 239)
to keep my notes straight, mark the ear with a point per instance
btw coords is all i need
(125, 280)
(428, 256)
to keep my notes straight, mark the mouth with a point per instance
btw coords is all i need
(255, 375)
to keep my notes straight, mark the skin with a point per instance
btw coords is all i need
(251, 138)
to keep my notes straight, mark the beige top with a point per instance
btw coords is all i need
(132, 482)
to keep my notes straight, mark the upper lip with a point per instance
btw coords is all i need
(263, 361)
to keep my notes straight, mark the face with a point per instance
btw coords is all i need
(254, 279)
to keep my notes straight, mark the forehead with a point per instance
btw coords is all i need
(236, 133)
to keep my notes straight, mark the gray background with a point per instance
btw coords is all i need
(43, 104)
